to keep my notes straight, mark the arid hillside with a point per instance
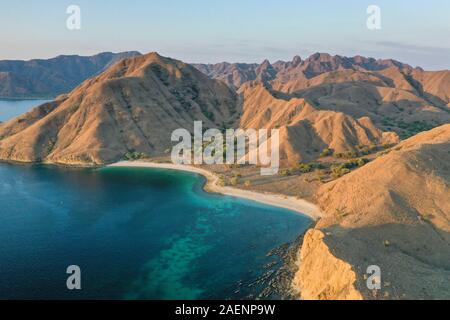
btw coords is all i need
(136, 104)
(132, 107)
(46, 78)
(306, 131)
(385, 200)
(394, 213)
(394, 95)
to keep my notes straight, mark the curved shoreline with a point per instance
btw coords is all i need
(276, 200)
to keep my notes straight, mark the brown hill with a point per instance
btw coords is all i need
(133, 106)
(395, 96)
(393, 213)
(44, 78)
(236, 74)
(304, 130)
(436, 85)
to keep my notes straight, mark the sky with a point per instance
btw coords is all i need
(210, 31)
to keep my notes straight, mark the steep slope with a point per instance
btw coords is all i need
(394, 95)
(304, 130)
(235, 74)
(319, 63)
(393, 213)
(133, 106)
(51, 77)
(435, 84)
(404, 111)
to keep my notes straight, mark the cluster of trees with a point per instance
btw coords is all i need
(361, 150)
(409, 128)
(334, 170)
(134, 155)
(326, 153)
(298, 169)
(415, 127)
(232, 181)
(338, 170)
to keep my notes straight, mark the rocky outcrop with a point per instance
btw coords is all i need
(321, 275)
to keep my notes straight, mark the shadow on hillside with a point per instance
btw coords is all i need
(414, 259)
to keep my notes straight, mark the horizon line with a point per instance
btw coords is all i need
(222, 61)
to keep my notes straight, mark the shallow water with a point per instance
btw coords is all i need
(13, 108)
(136, 233)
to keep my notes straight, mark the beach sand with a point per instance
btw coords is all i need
(277, 200)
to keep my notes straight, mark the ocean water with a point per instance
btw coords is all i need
(135, 233)
(13, 108)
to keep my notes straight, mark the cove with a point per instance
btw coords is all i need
(136, 233)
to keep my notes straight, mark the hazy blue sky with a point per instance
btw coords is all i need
(416, 32)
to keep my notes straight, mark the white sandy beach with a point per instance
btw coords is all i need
(276, 200)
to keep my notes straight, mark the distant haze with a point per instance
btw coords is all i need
(415, 32)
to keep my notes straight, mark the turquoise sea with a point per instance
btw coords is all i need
(135, 233)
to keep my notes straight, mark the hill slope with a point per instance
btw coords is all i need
(393, 213)
(133, 106)
(394, 95)
(45, 78)
(304, 130)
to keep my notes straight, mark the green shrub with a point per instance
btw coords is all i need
(354, 163)
(365, 150)
(319, 166)
(347, 155)
(234, 181)
(221, 181)
(338, 171)
(362, 161)
(130, 156)
(326, 153)
(303, 168)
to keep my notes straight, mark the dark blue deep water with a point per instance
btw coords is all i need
(135, 233)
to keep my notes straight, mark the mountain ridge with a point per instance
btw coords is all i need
(132, 106)
(402, 226)
(314, 65)
(151, 82)
(48, 78)
(391, 212)
(396, 96)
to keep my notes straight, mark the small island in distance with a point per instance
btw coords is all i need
(364, 150)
